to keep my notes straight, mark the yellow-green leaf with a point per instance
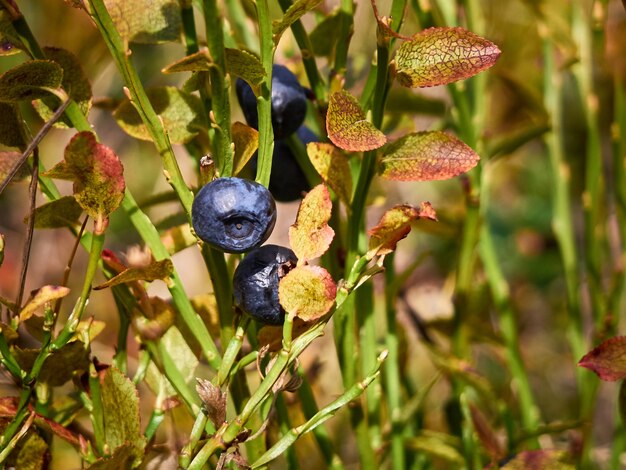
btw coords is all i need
(245, 65)
(182, 115)
(75, 84)
(307, 292)
(334, 168)
(196, 62)
(146, 21)
(59, 213)
(246, 140)
(347, 127)
(310, 236)
(30, 80)
(41, 297)
(426, 156)
(295, 11)
(60, 366)
(156, 270)
(97, 173)
(438, 56)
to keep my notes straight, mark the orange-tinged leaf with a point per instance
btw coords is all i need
(347, 127)
(438, 56)
(156, 270)
(40, 297)
(310, 236)
(608, 360)
(308, 292)
(426, 156)
(394, 225)
(246, 140)
(333, 167)
(97, 173)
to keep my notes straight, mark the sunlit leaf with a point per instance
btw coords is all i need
(310, 236)
(246, 140)
(438, 56)
(608, 360)
(307, 292)
(156, 270)
(97, 173)
(75, 84)
(30, 80)
(178, 238)
(146, 21)
(347, 127)
(295, 11)
(120, 404)
(182, 114)
(334, 168)
(41, 297)
(8, 161)
(426, 156)
(12, 132)
(395, 225)
(545, 459)
(60, 213)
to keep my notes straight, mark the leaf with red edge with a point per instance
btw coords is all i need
(156, 270)
(394, 225)
(307, 292)
(539, 460)
(310, 236)
(347, 127)
(40, 297)
(438, 56)
(97, 173)
(608, 360)
(426, 156)
(333, 167)
(246, 140)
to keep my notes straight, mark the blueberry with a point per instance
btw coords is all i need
(233, 215)
(255, 283)
(287, 180)
(288, 102)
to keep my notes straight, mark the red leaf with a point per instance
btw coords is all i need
(608, 360)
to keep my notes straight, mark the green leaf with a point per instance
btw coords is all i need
(307, 292)
(246, 140)
(334, 168)
(245, 65)
(8, 161)
(608, 360)
(122, 458)
(426, 156)
(438, 56)
(394, 225)
(182, 114)
(75, 84)
(59, 213)
(60, 366)
(11, 127)
(10, 42)
(97, 173)
(347, 127)
(146, 21)
(40, 297)
(324, 36)
(155, 270)
(310, 235)
(196, 62)
(178, 349)
(120, 405)
(295, 11)
(29, 81)
(32, 453)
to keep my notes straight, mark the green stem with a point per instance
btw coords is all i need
(232, 351)
(96, 412)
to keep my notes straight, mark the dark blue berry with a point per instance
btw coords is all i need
(288, 102)
(255, 283)
(287, 180)
(233, 215)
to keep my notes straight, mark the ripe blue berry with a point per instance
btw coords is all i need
(287, 180)
(255, 283)
(233, 215)
(288, 102)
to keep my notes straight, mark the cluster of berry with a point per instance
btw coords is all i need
(236, 215)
